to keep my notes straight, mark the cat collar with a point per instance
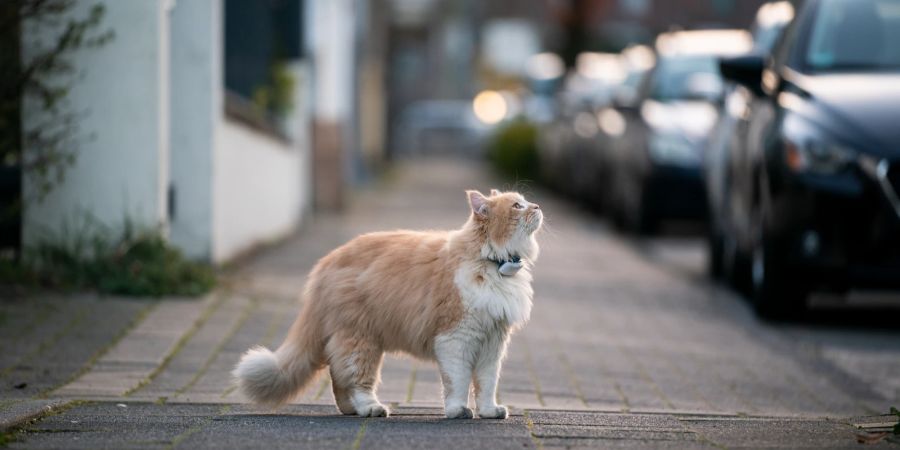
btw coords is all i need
(509, 267)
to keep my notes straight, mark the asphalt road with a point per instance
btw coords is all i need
(629, 346)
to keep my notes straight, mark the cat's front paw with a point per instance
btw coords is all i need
(495, 412)
(373, 410)
(459, 412)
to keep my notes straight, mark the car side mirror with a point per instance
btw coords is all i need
(746, 70)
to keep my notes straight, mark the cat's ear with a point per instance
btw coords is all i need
(478, 202)
(494, 192)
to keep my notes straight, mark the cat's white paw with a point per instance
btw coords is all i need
(496, 412)
(459, 412)
(373, 410)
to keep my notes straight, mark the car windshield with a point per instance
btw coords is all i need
(686, 78)
(855, 35)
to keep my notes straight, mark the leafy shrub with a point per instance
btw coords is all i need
(130, 262)
(513, 149)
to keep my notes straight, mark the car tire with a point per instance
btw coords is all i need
(775, 294)
(715, 261)
(645, 222)
(738, 271)
(640, 217)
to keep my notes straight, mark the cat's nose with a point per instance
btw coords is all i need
(535, 206)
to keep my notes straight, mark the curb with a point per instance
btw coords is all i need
(18, 414)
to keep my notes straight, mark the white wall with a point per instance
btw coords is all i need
(331, 42)
(120, 95)
(196, 105)
(153, 99)
(259, 189)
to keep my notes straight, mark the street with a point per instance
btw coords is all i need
(629, 346)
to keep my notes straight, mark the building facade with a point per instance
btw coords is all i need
(220, 122)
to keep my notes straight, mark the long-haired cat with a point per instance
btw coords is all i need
(435, 295)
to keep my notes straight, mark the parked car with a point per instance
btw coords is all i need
(570, 142)
(815, 168)
(656, 174)
(440, 127)
(611, 139)
(771, 20)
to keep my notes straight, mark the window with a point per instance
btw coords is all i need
(261, 37)
(854, 35)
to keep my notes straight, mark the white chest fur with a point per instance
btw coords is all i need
(495, 297)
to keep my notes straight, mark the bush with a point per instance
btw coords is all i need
(130, 262)
(513, 149)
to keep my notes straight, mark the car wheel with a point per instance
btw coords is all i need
(715, 263)
(640, 217)
(775, 294)
(738, 269)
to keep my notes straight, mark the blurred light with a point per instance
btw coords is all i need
(704, 42)
(585, 125)
(508, 44)
(691, 119)
(545, 66)
(702, 118)
(639, 57)
(771, 14)
(736, 105)
(611, 122)
(815, 156)
(793, 157)
(490, 107)
(790, 100)
(653, 114)
(673, 149)
(514, 106)
(600, 66)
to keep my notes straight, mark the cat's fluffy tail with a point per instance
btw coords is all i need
(271, 379)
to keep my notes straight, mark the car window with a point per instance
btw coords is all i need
(785, 45)
(854, 35)
(681, 78)
(771, 20)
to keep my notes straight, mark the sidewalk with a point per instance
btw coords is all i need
(620, 352)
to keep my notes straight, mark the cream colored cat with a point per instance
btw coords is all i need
(436, 295)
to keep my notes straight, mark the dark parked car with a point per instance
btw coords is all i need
(656, 168)
(570, 142)
(612, 134)
(815, 168)
(771, 20)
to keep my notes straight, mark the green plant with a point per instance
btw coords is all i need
(513, 149)
(126, 262)
(42, 76)
(276, 97)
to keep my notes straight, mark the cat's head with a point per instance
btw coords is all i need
(508, 222)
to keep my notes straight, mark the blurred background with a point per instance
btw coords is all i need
(223, 124)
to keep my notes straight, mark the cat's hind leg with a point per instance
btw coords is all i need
(355, 366)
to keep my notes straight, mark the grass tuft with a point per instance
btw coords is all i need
(128, 261)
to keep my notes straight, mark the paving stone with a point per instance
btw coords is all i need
(133, 359)
(62, 337)
(628, 347)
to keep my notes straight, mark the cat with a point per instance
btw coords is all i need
(436, 295)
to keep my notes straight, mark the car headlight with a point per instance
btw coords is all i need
(673, 149)
(817, 156)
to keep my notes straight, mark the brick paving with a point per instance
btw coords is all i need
(622, 350)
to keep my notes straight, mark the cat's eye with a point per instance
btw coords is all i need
(518, 205)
